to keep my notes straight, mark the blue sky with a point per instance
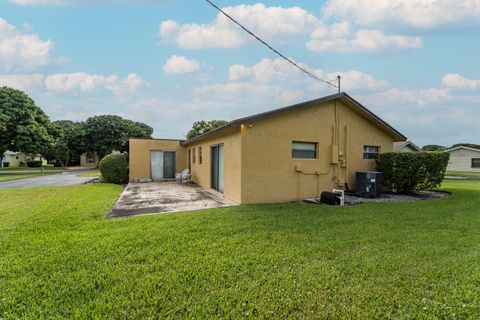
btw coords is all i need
(169, 63)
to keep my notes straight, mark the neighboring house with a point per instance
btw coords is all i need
(464, 159)
(17, 159)
(282, 155)
(405, 146)
(88, 160)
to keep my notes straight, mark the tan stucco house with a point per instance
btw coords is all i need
(282, 155)
(92, 160)
(405, 146)
(464, 159)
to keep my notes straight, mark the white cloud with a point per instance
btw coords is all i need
(132, 83)
(22, 52)
(67, 82)
(248, 91)
(75, 2)
(22, 82)
(402, 97)
(357, 80)
(455, 80)
(271, 23)
(280, 71)
(84, 82)
(413, 13)
(272, 83)
(278, 25)
(339, 37)
(427, 115)
(180, 65)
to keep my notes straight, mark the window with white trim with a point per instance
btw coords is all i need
(370, 152)
(304, 150)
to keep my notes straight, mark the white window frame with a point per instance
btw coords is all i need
(307, 147)
(367, 152)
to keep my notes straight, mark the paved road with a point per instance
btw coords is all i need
(7, 172)
(63, 179)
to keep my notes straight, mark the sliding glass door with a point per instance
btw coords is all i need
(169, 159)
(162, 164)
(217, 163)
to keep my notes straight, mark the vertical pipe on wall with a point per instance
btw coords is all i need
(345, 152)
(337, 138)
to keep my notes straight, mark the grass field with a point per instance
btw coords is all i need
(90, 174)
(17, 176)
(463, 174)
(61, 258)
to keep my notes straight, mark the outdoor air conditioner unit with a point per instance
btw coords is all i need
(369, 184)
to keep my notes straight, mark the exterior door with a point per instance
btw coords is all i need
(169, 159)
(156, 164)
(218, 168)
(162, 164)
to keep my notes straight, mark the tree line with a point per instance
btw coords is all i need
(25, 127)
(435, 147)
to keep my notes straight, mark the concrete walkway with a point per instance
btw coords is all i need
(50, 180)
(163, 197)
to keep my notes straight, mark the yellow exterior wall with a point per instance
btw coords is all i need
(139, 156)
(201, 173)
(269, 173)
(259, 167)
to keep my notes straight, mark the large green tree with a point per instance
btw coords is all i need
(433, 147)
(201, 127)
(469, 145)
(107, 133)
(68, 142)
(23, 125)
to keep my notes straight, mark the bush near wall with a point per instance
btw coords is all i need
(114, 168)
(408, 172)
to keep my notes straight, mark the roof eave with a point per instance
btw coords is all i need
(342, 95)
(396, 134)
(462, 147)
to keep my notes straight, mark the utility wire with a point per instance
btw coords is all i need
(308, 73)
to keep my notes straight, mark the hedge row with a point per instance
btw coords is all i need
(34, 164)
(408, 172)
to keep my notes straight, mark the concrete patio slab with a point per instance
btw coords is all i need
(163, 197)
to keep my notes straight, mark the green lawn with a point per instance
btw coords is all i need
(7, 177)
(90, 174)
(463, 174)
(60, 258)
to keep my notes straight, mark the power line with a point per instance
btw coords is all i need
(308, 73)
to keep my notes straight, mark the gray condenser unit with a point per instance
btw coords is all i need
(369, 184)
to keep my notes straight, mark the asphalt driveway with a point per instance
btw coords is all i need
(49, 180)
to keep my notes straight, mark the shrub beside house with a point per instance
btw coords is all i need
(408, 172)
